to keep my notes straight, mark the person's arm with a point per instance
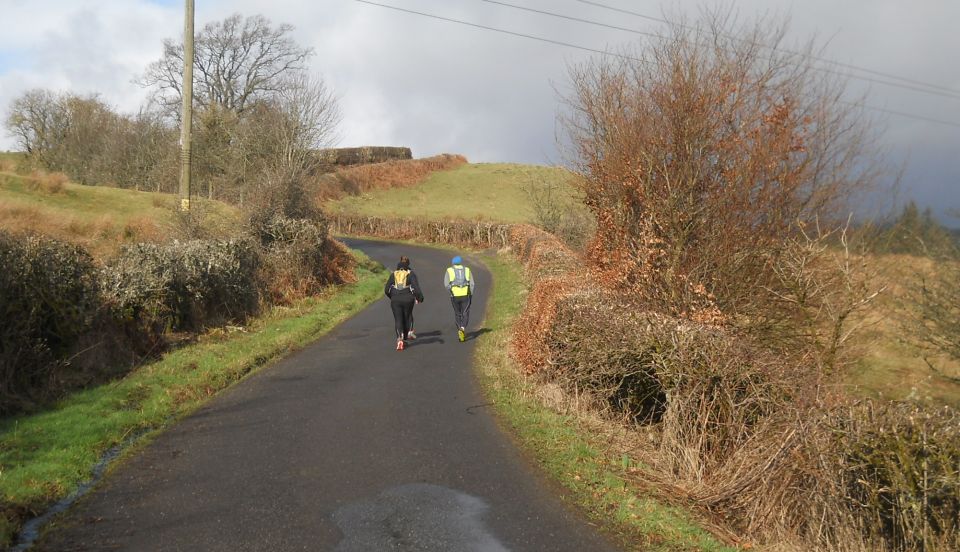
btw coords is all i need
(471, 282)
(388, 286)
(446, 280)
(418, 293)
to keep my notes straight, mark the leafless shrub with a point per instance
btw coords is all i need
(900, 474)
(556, 212)
(468, 233)
(184, 286)
(933, 314)
(699, 154)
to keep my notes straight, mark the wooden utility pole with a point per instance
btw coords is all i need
(186, 115)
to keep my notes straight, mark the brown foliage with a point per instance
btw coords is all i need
(548, 263)
(381, 176)
(699, 155)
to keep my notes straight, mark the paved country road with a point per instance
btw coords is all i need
(346, 445)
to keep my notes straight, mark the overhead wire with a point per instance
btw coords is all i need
(923, 89)
(787, 51)
(498, 30)
(623, 56)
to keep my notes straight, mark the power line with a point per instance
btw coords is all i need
(903, 114)
(504, 31)
(809, 56)
(925, 89)
(607, 53)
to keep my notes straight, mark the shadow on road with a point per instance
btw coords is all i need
(426, 338)
(477, 333)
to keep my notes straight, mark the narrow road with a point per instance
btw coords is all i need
(346, 445)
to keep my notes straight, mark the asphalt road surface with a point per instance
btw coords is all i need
(347, 445)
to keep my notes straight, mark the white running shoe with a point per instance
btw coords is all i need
(411, 335)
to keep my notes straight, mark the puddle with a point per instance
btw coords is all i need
(416, 517)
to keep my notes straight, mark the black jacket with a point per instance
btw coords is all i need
(412, 282)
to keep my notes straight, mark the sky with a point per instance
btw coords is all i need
(436, 86)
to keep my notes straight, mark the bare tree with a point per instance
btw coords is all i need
(35, 121)
(283, 136)
(238, 61)
(702, 153)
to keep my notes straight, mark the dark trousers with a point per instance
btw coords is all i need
(461, 310)
(402, 306)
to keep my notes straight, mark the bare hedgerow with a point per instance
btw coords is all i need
(183, 286)
(299, 259)
(48, 299)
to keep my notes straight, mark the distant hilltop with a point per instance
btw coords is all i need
(362, 155)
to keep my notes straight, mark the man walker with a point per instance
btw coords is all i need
(458, 280)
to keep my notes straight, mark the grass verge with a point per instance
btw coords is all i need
(576, 458)
(46, 456)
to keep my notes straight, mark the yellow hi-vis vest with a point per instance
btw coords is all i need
(459, 287)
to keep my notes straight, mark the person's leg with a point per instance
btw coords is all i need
(396, 305)
(407, 317)
(410, 334)
(459, 304)
(457, 311)
(465, 317)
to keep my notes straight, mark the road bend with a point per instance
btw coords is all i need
(345, 445)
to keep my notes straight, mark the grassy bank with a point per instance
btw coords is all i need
(598, 481)
(99, 218)
(483, 191)
(44, 457)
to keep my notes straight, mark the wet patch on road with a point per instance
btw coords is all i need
(416, 516)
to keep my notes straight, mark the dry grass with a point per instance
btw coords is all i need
(47, 182)
(98, 218)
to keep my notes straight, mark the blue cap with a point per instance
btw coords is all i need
(457, 260)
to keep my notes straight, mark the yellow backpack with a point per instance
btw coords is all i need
(400, 279)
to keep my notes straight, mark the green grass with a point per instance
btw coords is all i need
(486, 191)
(597, 480)
(44, 457)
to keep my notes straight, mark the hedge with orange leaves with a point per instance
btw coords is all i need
(548, 264)
(360, 179)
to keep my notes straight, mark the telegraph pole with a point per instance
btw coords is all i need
(186, 115)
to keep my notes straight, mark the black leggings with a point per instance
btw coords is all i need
(401, 304)
(461, 310)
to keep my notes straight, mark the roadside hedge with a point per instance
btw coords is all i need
(67, 322)
(49, 298)
(183, 286)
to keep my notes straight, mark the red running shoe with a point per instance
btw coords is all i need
(400, 344)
